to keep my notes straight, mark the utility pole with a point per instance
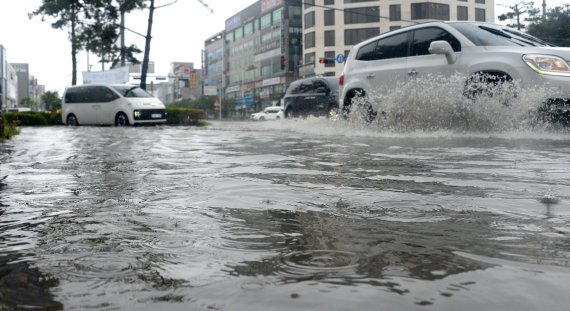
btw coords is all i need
(122, 37)
(543, 9)
(147, 46)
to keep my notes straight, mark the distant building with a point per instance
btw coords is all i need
(24, 85)
(185, 81)
(8, 83)
(257, 54)
(213, 64)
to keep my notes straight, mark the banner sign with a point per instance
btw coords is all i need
(117, 75)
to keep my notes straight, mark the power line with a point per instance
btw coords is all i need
(311, 3)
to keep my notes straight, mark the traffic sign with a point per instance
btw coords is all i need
(340, 58)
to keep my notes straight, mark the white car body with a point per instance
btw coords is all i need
(466, 48)
(269, 113)
(106, 104)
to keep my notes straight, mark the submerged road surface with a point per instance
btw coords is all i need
(293, 215)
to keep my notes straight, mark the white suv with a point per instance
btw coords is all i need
(478, 52)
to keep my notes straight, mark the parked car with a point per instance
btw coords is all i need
(110, 104)
(311, 96)
(483, 53)
(269, 113)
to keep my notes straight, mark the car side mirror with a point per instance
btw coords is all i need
(443, 48)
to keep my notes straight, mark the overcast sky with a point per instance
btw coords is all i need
(179, 31)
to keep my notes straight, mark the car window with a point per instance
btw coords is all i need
(488, 35)
(306, 87)
(422, 38)
(131, 91)
(320, 86)
(366, 52)
(294, 88)
(395, 46)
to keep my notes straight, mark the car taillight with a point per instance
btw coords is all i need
(341, 79)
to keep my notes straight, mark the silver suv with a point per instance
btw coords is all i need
(482, 54)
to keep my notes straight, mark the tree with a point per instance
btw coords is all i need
(28, 102)
(518, 12)
(554, 28)
(51, 100)
(92, 25)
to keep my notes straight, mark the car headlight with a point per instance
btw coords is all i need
(137, 113)
(547, 64)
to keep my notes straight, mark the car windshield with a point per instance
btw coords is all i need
(131, 91)
(496, 35)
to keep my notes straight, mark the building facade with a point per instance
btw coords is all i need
(332, 27)
(8, 83)
(260, 50)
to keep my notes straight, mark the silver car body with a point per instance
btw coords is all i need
(378, 76)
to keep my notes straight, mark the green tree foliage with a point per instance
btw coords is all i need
(51, 100)
(519, 13)
(555, 28)
(92, 24)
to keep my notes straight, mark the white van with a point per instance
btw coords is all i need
(110, 104)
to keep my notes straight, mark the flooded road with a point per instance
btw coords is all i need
(293, 215)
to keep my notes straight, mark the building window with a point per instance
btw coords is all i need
(329, 55)
(357, 1)
(294, 12)
(309, 20)
(362, 15)
(329, 2)
(346, 52)
(479, 15)
(310, 58)
(309, 40)
(329, 17)
(462, 13)
(354, 36)
(329, 38)
(309, 3)
(395, 12)
(265, 21)
(277, 15)
(248, 29)
(427, 10)
(480, 1)
(395, 27)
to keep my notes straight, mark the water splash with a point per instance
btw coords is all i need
(437, 102)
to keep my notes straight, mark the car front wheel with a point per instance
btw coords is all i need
(121, 119)
(289, 114)
(72, 120)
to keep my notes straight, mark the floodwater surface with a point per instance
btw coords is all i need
(307, 214)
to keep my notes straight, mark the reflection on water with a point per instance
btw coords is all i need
(299, 214)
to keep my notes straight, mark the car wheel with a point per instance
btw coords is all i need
(359, 108)
(277, 118)
(72, 120)
(262, 119)
(490, 85)
(289, 114)
(121, 119)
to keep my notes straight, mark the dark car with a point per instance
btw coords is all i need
(314, 96)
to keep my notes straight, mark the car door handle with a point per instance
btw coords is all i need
(370, 76)
(412, 72)
(310, 97)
